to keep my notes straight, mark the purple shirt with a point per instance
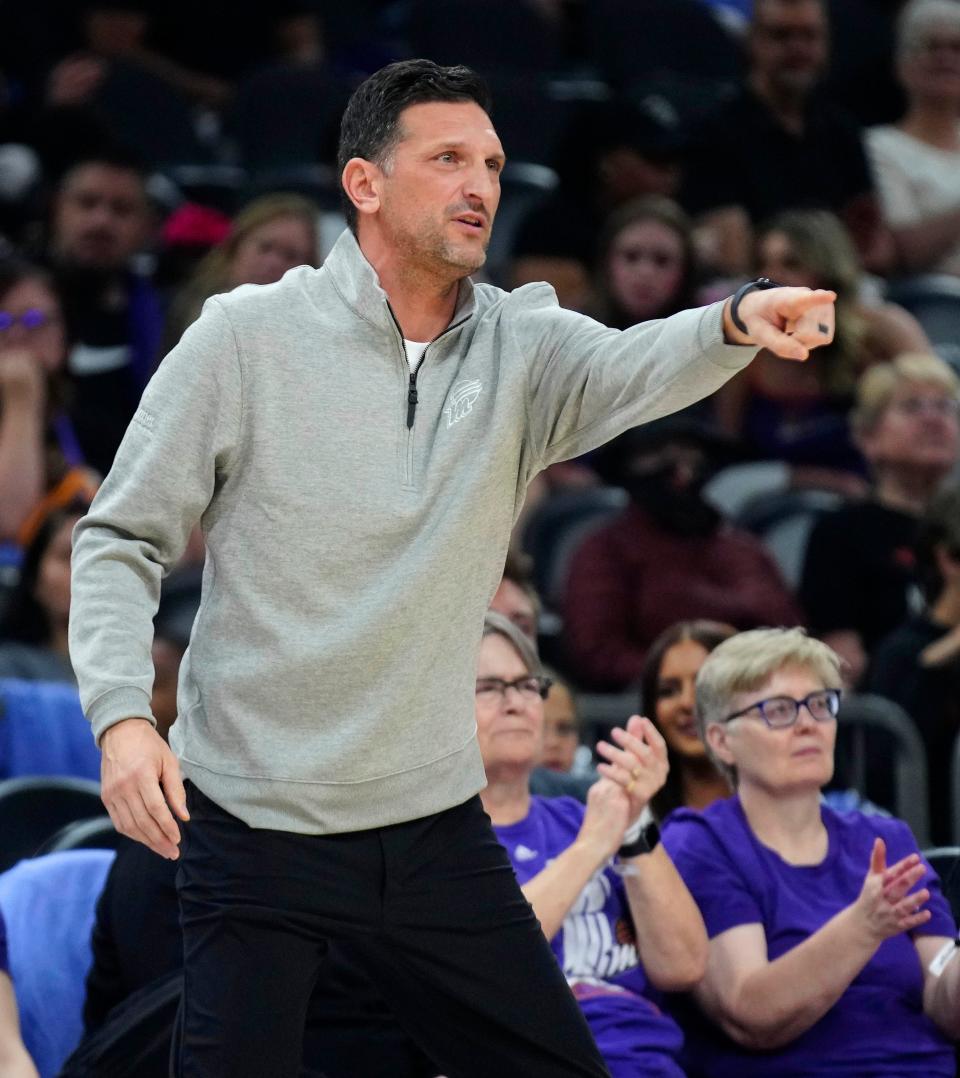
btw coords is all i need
(596, 948)
(877, 1027)
(4, 956)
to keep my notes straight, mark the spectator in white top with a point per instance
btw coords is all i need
(917, 160)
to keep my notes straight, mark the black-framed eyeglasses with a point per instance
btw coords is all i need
(779, 712)
(529, 686)
(32, 318)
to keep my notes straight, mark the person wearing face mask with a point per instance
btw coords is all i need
(668, 555)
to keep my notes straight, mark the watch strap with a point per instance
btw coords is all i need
(761, 284)
(646, 842)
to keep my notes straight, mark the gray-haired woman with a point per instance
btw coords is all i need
(618, 935)
(831, 946)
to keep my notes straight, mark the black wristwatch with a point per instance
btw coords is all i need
(646, 842)
(761, 284)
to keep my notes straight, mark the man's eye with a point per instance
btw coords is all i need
(494, 166)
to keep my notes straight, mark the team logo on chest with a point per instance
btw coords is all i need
(461, 400)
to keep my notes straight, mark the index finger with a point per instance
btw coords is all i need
(645, 729)
(802, 299)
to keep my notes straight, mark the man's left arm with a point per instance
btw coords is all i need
(587, 383)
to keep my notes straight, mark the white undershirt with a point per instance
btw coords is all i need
(414, 350)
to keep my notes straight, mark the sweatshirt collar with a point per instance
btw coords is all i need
(357, 282)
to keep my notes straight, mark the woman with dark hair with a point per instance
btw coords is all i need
(41, 464)
(33, 629)
(646, 263)
(667, 696)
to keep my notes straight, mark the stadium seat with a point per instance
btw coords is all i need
(558, 526)
(34, 809)
(783, 521)
(500, 35)
(945, 861)
(934, 300)
(880, 754)
(43, 731)
(48, 905)
(97, 833)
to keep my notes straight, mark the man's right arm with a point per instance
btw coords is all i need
(178, 447)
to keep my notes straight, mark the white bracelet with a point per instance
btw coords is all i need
(943, 957)
(632, 833)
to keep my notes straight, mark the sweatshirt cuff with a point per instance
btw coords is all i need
(118, 704)
(732, 357)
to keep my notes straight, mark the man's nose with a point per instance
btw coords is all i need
(480, 185)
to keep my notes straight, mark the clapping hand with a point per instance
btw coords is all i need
(637, 763)
(884, 903)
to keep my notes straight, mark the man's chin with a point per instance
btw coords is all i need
(467, 260)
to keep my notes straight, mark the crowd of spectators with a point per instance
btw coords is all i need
(152, 156)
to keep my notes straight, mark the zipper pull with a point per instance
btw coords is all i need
(412, 399)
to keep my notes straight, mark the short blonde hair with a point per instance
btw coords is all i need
(747, 661)
(918, 17)
(877, 386)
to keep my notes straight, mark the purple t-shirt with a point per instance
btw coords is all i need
(877, 1027)
(4, 956)
(596, 948)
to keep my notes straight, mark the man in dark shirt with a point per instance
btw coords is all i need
(101, 219)
(777, 145)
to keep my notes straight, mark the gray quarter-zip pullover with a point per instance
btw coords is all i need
(356, 520)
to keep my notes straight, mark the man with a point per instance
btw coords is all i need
(101, 219)
(777, 145)
(357, 490)
(669, 556)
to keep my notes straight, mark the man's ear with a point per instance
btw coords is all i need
(717, 740)
(361, 180)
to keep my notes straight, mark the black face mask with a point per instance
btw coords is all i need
(677, 507)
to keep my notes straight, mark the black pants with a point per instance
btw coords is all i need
(431, 907)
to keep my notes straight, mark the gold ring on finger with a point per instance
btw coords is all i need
(636, 773)
(630, 784)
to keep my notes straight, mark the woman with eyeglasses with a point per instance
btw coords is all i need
(41, 464)
(607, 896)
(831, 946)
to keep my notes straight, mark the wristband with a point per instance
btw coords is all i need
(943, 957)
(646, 839)
(761, 284)
(635, 829)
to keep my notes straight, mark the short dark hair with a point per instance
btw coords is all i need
(939, 529)
(370, 127)
(115, 157)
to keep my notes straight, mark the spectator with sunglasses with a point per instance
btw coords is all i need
(621, 930)
(831, 946)
(41, 463)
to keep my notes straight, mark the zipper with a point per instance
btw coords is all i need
(413, 397)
